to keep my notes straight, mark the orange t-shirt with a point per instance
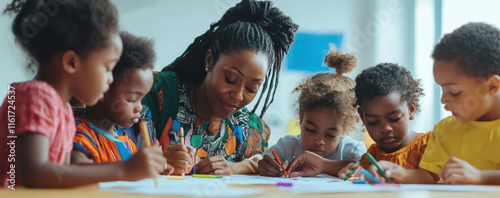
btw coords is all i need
(100, 145)
(408, 157)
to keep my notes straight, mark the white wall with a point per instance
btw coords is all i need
(13, 60)
(376, 30)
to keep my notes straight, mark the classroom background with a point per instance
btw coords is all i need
(398, 31)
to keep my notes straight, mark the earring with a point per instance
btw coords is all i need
(206, 68)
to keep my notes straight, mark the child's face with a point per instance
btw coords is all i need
(123, 102)
(464, 96)
(387, 120)
(94, 74)
(320, 131)
(233, 81)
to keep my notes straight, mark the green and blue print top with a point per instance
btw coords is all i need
(239, 136)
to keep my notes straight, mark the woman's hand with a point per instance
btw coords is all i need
(180, 158)
(215, 165)
(268, 166)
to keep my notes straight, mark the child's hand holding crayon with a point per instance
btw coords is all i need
(395, 172)
(268, 166)
(180, 157)
(344, 172)
(146, 163)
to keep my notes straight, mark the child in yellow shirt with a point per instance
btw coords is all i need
(462, 148)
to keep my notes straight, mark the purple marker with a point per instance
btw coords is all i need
(285, 184)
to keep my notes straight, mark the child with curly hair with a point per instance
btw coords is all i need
(327, 114)
(461, 148)
(387, 96)
(101, 130)
(75, 52)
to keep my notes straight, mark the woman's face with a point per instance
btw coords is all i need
(233, 82)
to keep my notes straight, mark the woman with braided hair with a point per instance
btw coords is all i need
(206, 89)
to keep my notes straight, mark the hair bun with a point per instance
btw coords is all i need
(279, 26)
(342, 62)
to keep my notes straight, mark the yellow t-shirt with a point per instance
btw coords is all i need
(478, 143)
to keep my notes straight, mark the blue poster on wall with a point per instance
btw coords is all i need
(309, 50)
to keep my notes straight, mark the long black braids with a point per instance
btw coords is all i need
(251, 24)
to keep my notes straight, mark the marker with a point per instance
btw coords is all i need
(369, 175)
(372, 159)
(285, 184)
(206, 176)
(175, 177)
(359, 182)
(194, 161)
(181, 131)
(147, 141)
(279, 162)
(349, 174)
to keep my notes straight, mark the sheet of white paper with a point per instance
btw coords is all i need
(258, 180)
(196, 187)
(443, 187)
(349, 187)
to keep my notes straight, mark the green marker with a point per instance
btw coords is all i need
(206, 176)
(349, 174)
(370, 157)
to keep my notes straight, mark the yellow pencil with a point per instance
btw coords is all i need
(181, 131)
(147, 141)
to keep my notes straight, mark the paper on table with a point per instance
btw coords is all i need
(349, 187)
(443, 187)
(196, 187)
(256, 179)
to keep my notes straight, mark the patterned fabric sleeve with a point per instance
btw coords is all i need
(258, 137)
(151, 99)
(163, 100)
(243, 135)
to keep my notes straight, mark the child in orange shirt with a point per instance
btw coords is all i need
(388, 97)
(100, 132)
